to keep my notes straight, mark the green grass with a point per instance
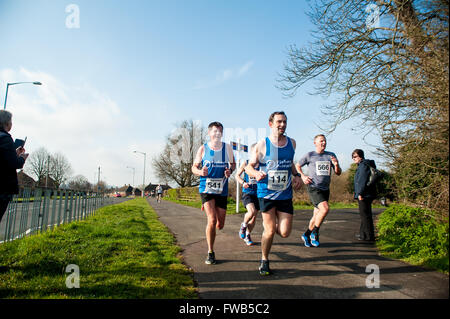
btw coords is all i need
(231, 207)
(123, 251)
(413, 235)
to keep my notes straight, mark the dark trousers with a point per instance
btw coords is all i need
(4, 201)
(366, 230)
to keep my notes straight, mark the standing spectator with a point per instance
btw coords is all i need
(365, 195)
(11, 159)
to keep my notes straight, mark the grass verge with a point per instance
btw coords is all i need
(413, 235)
(123, 251)
(231, 207)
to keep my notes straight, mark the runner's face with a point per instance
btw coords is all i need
(320, 143)
(278, 125)
(215, 133)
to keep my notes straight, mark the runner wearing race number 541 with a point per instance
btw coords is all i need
(214, 163)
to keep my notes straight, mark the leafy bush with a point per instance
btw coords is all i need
(413, 234)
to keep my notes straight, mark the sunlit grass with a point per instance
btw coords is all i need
(123, 251)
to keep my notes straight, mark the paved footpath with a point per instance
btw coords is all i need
(336, 269)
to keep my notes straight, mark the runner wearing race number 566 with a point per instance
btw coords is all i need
(214, 163)
(320, 164)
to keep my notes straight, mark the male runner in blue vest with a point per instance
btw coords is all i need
(276, 174)
(214, 163)
(320, 163)
(250, 200)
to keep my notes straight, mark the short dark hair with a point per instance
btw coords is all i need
(276, 113)
(216, 124)
(358, 152)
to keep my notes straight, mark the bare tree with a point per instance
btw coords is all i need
(79, 182)
(175, 161)
(387, 62)
(60, 168)
(38, 164)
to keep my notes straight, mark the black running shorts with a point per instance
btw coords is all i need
(284, 206)
(250, 199)
(317, 195)
(221, 201)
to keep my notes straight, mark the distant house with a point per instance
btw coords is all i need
(137, 192)
(129, 191)
(25, 180)
(152, 187)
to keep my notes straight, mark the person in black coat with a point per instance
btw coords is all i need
(365, 194)
(11, 159)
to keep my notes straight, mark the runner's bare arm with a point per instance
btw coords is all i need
(296, 181)
(196, 169)
(239, 173)
(305, 178)
(337, 168)
(254, 161)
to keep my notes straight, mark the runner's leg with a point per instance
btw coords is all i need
(250, 216)
(212, 221)
(270, 227)
(321, 214)
(284, 226)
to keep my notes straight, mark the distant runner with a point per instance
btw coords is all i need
(320, 164)
(159, 191)
(214, 163)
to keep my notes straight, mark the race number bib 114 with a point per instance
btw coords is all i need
(277, 180)
(214, 185)
(323, 168)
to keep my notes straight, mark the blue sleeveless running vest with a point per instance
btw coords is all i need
(215, 182)
(277, 164)
(252, 182)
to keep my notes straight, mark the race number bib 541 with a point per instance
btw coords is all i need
(323, 168)
(277, 180)
(214, 185)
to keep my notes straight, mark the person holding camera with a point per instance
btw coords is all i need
(11, 159)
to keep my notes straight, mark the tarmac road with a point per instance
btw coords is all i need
(341, 268)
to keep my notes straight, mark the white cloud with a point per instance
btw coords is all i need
(79, 121)
(224, 76)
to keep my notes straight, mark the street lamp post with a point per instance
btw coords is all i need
(7, 87)
(143, 180)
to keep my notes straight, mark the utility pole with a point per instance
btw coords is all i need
(98, 181)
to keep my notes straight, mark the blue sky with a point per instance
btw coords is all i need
(133, 69)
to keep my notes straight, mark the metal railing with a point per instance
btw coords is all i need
(36, 210)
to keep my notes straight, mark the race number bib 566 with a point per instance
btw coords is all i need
(323, 168)
(277, 180)
(214, 185)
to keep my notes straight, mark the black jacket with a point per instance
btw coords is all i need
(9, 163)
(362, 177)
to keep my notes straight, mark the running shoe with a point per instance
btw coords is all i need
(315, 239)
(248, 240)
(242, 231)
(264, 269)
(306, 240)
(211, 259)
